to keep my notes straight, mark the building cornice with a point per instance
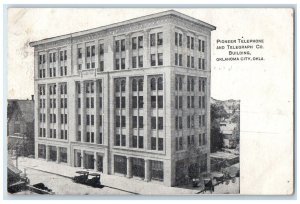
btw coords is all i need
(133, 25)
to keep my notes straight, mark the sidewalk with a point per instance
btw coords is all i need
(132, 185)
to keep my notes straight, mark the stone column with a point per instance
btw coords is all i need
(57, 154)
(82, 159)
(58, 119)
(146, 49)
(95, 161)
(128, 114)
(147, 170)
(47, 111)
(146, 109)
(97, 55)
(83, 112)
(128, 53)
(129, 167)
(97, 112)
(184, 49)
(83, 57)
(47, 153)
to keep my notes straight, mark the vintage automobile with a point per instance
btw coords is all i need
(219, 177)
(94, 181)
(208, 185)
(82, 178)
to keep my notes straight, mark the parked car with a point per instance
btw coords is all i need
(94, 181)
(82, 178)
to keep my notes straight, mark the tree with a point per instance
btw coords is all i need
(216, 139)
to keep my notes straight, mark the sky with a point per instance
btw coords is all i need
(265, 87)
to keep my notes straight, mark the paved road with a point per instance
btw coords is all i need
(63, 185)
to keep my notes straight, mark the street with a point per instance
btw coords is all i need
(58, 178)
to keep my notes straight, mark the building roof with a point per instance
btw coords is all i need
(26, 107)
(131, 21)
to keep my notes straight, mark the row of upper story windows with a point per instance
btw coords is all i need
(190, 83)
(120, 45)
(52, 89)
(190, 141)
(190, 42)
(52, 57)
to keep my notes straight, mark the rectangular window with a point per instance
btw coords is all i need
(153, 101)
(176, 58)
(117, 46)
(123, 140)
(78, 139)
(160, 144)
(140, 41)
(79, 53)
(123, 121)
(153, 143)
(160, 123)
(123, 45)
(134, 43)
(141, 122)
(134, 101)
(141, 101)
(160, 59)
(192, 43)
(192, 102)
(66, 119)
(117, 102)
(117, 64)
(92, 120)
(101, 49)
(122, 63)
(176, 38)
(199, 63)
(92, 102)
(199, 45)
(141, 61)
(88, 51)
(78, 103)
(134, 121)
(134, 62)
(123, 102)
(65, 54)
(188, 42)
(152, 39)
(93, 50)
(188, 121)
(87, 119)
(192, 62)
(79, 119)
(203, 64)
(159, 38)
(117, 140)
(180, 59)
(160, 102)
(203, 45)
(101, 66)
(180, 122)
(141, 142)
(153, 60)
(180, 102)
(188, 63)
(134, 141)
(153, 122)
(118, 121)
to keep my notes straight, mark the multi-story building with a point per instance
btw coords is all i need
(130, 99)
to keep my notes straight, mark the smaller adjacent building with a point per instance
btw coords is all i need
(20, 126)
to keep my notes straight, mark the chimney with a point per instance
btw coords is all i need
(32, 97)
